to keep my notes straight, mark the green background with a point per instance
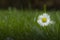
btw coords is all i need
(22, 25)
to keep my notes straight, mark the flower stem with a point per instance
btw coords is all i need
(44, 8)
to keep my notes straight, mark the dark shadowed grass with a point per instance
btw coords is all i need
(22, 25)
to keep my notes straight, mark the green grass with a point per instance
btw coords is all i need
(22, 25)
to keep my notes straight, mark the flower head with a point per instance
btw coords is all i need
(44, 19)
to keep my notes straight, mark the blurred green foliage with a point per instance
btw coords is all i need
(22, 25)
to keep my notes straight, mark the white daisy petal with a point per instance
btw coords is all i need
(44, 20)
(40, 16)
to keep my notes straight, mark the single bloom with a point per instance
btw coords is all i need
(44, 20)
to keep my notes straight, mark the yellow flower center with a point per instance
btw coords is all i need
(44, 19)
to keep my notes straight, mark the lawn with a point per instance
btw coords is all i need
(22, 25)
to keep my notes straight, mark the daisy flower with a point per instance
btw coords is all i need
(44, 20)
